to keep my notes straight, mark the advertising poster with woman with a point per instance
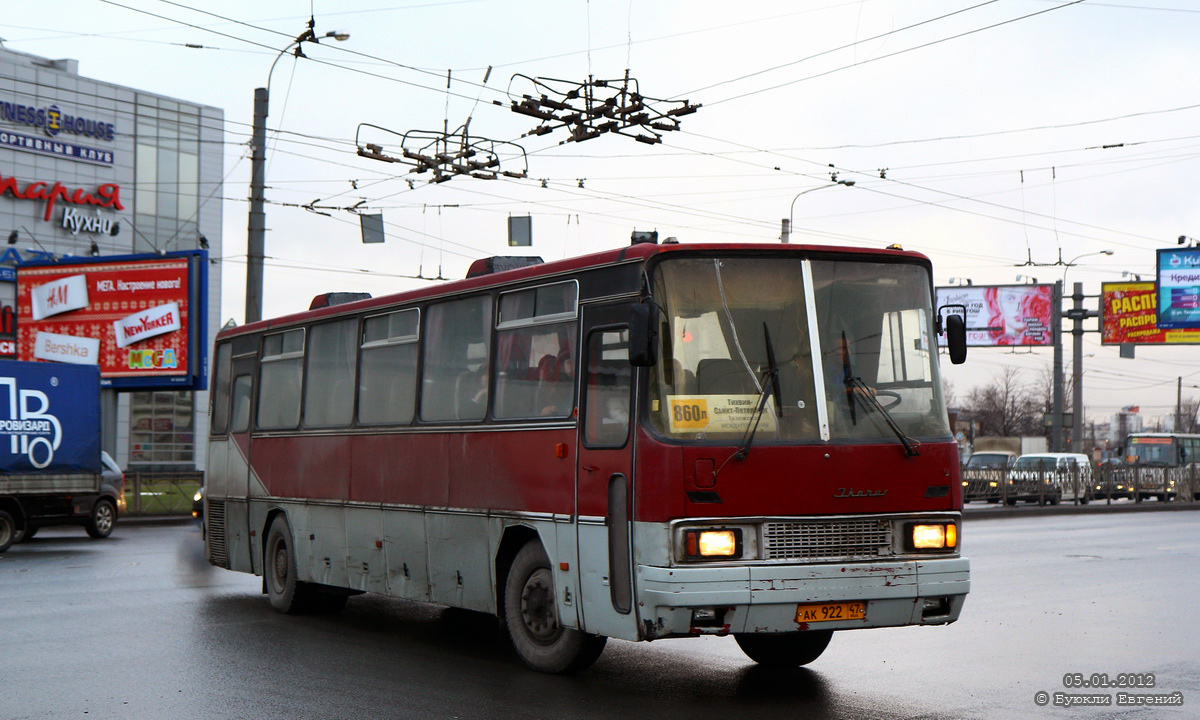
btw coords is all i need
(1004, 315)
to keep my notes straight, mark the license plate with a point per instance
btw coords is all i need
(825, 612)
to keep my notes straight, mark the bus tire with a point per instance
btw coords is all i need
(530, 613)
(8, 531)
(279, 569)
(784, 650)
(27, 534)
(286, 593)
(103, 519)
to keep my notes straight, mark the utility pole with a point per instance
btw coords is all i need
(1179, 404)
(1056, 408)
(257, 228)
(1077, 314)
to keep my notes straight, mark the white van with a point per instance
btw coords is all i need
(1050, 478)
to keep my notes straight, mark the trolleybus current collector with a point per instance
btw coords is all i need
(651, 442)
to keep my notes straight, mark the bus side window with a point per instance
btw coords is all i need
(240, 420)
(607, 389)
(281, 375)
(454, 379)
(221, 385)
(387, 383)
(329, 394)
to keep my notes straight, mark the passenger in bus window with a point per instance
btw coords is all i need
(616, 411)
(556, 385)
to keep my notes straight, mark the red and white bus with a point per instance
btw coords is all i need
(657, 441)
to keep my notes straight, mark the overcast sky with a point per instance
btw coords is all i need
(983, 134)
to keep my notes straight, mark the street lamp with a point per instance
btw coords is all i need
(786, 236)
(257, 226)
(1068, 265)
(1077, 314)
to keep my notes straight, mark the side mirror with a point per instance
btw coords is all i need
(956, 338)
(954, 326)
(643, 335)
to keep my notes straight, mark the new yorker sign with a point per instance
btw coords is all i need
(60, 128)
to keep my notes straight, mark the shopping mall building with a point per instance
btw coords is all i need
(90, 168)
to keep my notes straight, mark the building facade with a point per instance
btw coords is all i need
(91, 168)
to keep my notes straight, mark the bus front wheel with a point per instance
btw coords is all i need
(531, 614)
(784, 650)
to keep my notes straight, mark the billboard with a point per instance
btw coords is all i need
(1129, 314)
(141, 319)
(49, 418)
(1004, 315)
(1179, 289)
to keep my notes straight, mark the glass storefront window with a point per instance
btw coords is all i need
(160, 428)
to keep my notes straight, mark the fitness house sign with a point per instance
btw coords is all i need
(57, 126)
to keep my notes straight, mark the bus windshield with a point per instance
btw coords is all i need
(866, 373)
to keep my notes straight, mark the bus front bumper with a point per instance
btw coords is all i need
(683, 601)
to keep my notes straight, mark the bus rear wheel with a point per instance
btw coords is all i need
(531, 614)
(784, 650)
(287, 594)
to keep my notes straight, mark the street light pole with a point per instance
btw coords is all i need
(1077, 314)
(257, 224)
(785, 236)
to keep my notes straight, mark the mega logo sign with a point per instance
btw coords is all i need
(133, 317)
(1130, 317)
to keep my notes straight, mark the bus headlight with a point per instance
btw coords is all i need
(714, 544)
(933, 536)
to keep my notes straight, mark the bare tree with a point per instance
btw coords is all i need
(1007, 406)
(1188, 420)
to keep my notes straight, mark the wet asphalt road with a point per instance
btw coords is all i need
(138, 626)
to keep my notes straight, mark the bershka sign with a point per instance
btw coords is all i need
(107, 195)
(134, 312)
(147, 324)
(66, 349)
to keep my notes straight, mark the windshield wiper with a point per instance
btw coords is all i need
(856, 388)
(859, 389)
(770, 386)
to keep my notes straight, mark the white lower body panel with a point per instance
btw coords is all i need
(763, 598)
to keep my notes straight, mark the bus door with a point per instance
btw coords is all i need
(605, 473)
(233, 485)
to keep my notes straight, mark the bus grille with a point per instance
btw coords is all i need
(827, 539)
(218, 554)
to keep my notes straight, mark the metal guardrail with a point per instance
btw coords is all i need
(1106, 483)
(161, 493)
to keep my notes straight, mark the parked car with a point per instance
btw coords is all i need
(97, 513)
(984, 473)
(1114, 479)
(1050, 478)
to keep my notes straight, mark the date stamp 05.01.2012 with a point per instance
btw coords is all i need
(1132, 689)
